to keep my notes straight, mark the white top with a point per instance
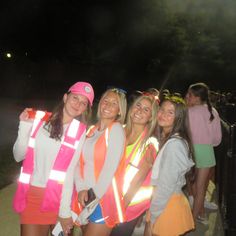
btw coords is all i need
(46, 150)
(174, 164)
(116, 142)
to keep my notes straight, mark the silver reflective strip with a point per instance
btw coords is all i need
(144, 193)
(39, 114)
(35, 124)
(137, 157)
(24, 178)
(69, 145)
(153, 141)
(31, 142)
(106, 136)
(57, 175)
(72, 130)
(129, 175)
(117, 200)
(101, 219)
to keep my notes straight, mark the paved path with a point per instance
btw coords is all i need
(215, 224)
(9, 222)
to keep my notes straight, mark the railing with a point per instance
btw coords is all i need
(226, 177)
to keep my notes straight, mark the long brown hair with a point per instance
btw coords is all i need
(55, 124)
(180, 127)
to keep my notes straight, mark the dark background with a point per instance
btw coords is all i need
(132, 44)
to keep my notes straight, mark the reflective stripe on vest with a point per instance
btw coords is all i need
(71, 132)
(54, 174)
(57, 176)
(114, 186)
(38, 116)
(25, 177)
(117, 200)
(144, 192)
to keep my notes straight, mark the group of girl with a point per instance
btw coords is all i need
(128, 170)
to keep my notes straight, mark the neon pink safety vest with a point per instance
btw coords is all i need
(52, 195)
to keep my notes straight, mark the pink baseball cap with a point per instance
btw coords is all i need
(83, 88)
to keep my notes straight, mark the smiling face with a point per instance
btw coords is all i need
(166, 116)
(74, 106)
(141, 112)
(109, 106)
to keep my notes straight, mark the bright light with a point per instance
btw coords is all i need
(8, 55)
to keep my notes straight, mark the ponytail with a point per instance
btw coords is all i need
(201, 90)
(210, 109)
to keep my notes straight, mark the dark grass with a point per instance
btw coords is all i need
(9, 168)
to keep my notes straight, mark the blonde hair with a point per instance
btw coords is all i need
(121, 102)
(151, 125)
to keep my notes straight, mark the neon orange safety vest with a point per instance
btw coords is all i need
(112, 202)
(52, 195)
(141, 201)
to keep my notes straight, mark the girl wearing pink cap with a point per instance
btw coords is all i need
(49, 146)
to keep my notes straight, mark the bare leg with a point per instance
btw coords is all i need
(35, 230)
(200, 187)
(97, 229)
(212, 174)
(147, 229)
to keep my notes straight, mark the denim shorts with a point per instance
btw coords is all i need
(97, 217)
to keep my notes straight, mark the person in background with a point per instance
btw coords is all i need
(141, 150)
(98, 172)
(206, 134)
(163, 93)
(154, 92)
(133, 95)
(49, 146)
(170, 212)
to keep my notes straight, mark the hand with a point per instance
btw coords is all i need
(83, 197)
(66, 224)
(24, 116)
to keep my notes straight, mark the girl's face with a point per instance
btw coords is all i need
(109, 107)
(191, 99)
(166, 116)
(141, 112)
(74, 105)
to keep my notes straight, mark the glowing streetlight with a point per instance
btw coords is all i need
(8, 55)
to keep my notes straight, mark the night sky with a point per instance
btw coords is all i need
(129, 44)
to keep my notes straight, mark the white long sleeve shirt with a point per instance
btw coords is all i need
(46, 150)
(116, 142)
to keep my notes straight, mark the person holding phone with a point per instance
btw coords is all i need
(97, 174)
(49, 146)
